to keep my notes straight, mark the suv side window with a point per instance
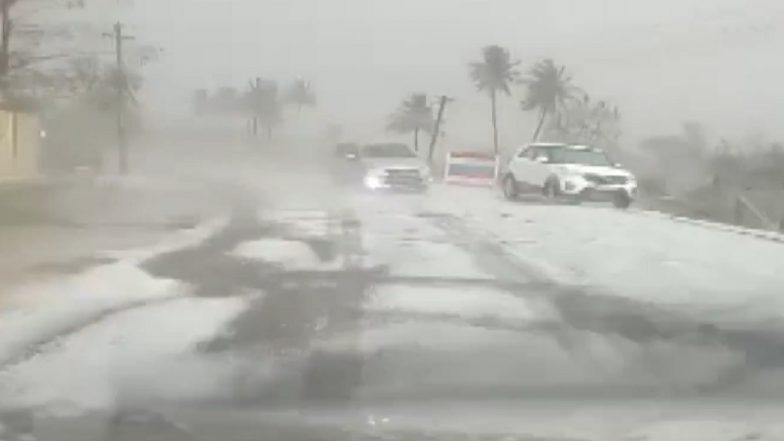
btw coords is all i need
(524, 153)
(533, 152)
(539, 152)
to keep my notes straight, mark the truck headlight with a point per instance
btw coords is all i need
(374, 179)
(373, 182)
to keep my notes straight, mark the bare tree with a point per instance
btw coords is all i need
(8, 25)
(588, 122)
(442, 102)
(11, 28)
(82, 124)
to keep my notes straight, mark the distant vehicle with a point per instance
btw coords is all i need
(344, 164)
(393, 166)
(347, 150)
(570, 172)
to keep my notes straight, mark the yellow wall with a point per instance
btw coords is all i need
(20, 142)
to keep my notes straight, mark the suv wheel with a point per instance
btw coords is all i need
(622, 200)
(510, 188)
(552, 190)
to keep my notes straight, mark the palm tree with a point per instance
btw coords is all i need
(443, 101)
(263, 102)
(494, 74)
(301, 95)
(415, 115)
(548, 89)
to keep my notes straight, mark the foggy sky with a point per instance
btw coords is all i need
(662, 62)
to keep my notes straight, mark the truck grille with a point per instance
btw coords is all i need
(403, 177)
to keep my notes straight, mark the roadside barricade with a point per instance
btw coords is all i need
(471, 168)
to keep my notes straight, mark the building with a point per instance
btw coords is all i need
(20, 143)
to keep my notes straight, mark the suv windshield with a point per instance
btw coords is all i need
(574, 155)
(390, 150)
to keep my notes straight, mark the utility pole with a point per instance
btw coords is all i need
(437, 130)
(122, 89)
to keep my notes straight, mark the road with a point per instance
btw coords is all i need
(330, 302)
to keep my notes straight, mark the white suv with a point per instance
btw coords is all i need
(573, 172)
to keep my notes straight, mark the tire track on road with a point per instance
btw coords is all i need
(298, 308)
(588, 309)
(490, 256)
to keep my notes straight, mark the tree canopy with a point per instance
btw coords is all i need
(414, 116)
(496, 72)
(588, 122)
(548, 88)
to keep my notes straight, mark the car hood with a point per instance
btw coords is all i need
(592, 169)
(393, 163)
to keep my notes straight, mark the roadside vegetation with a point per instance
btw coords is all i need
(415, 116)
(262, 103)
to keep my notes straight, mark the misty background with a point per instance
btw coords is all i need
(661, 62)
(108, 148)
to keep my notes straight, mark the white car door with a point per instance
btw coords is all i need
(538, 169)
(521, 166)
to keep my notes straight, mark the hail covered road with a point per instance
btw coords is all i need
(452, 309)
